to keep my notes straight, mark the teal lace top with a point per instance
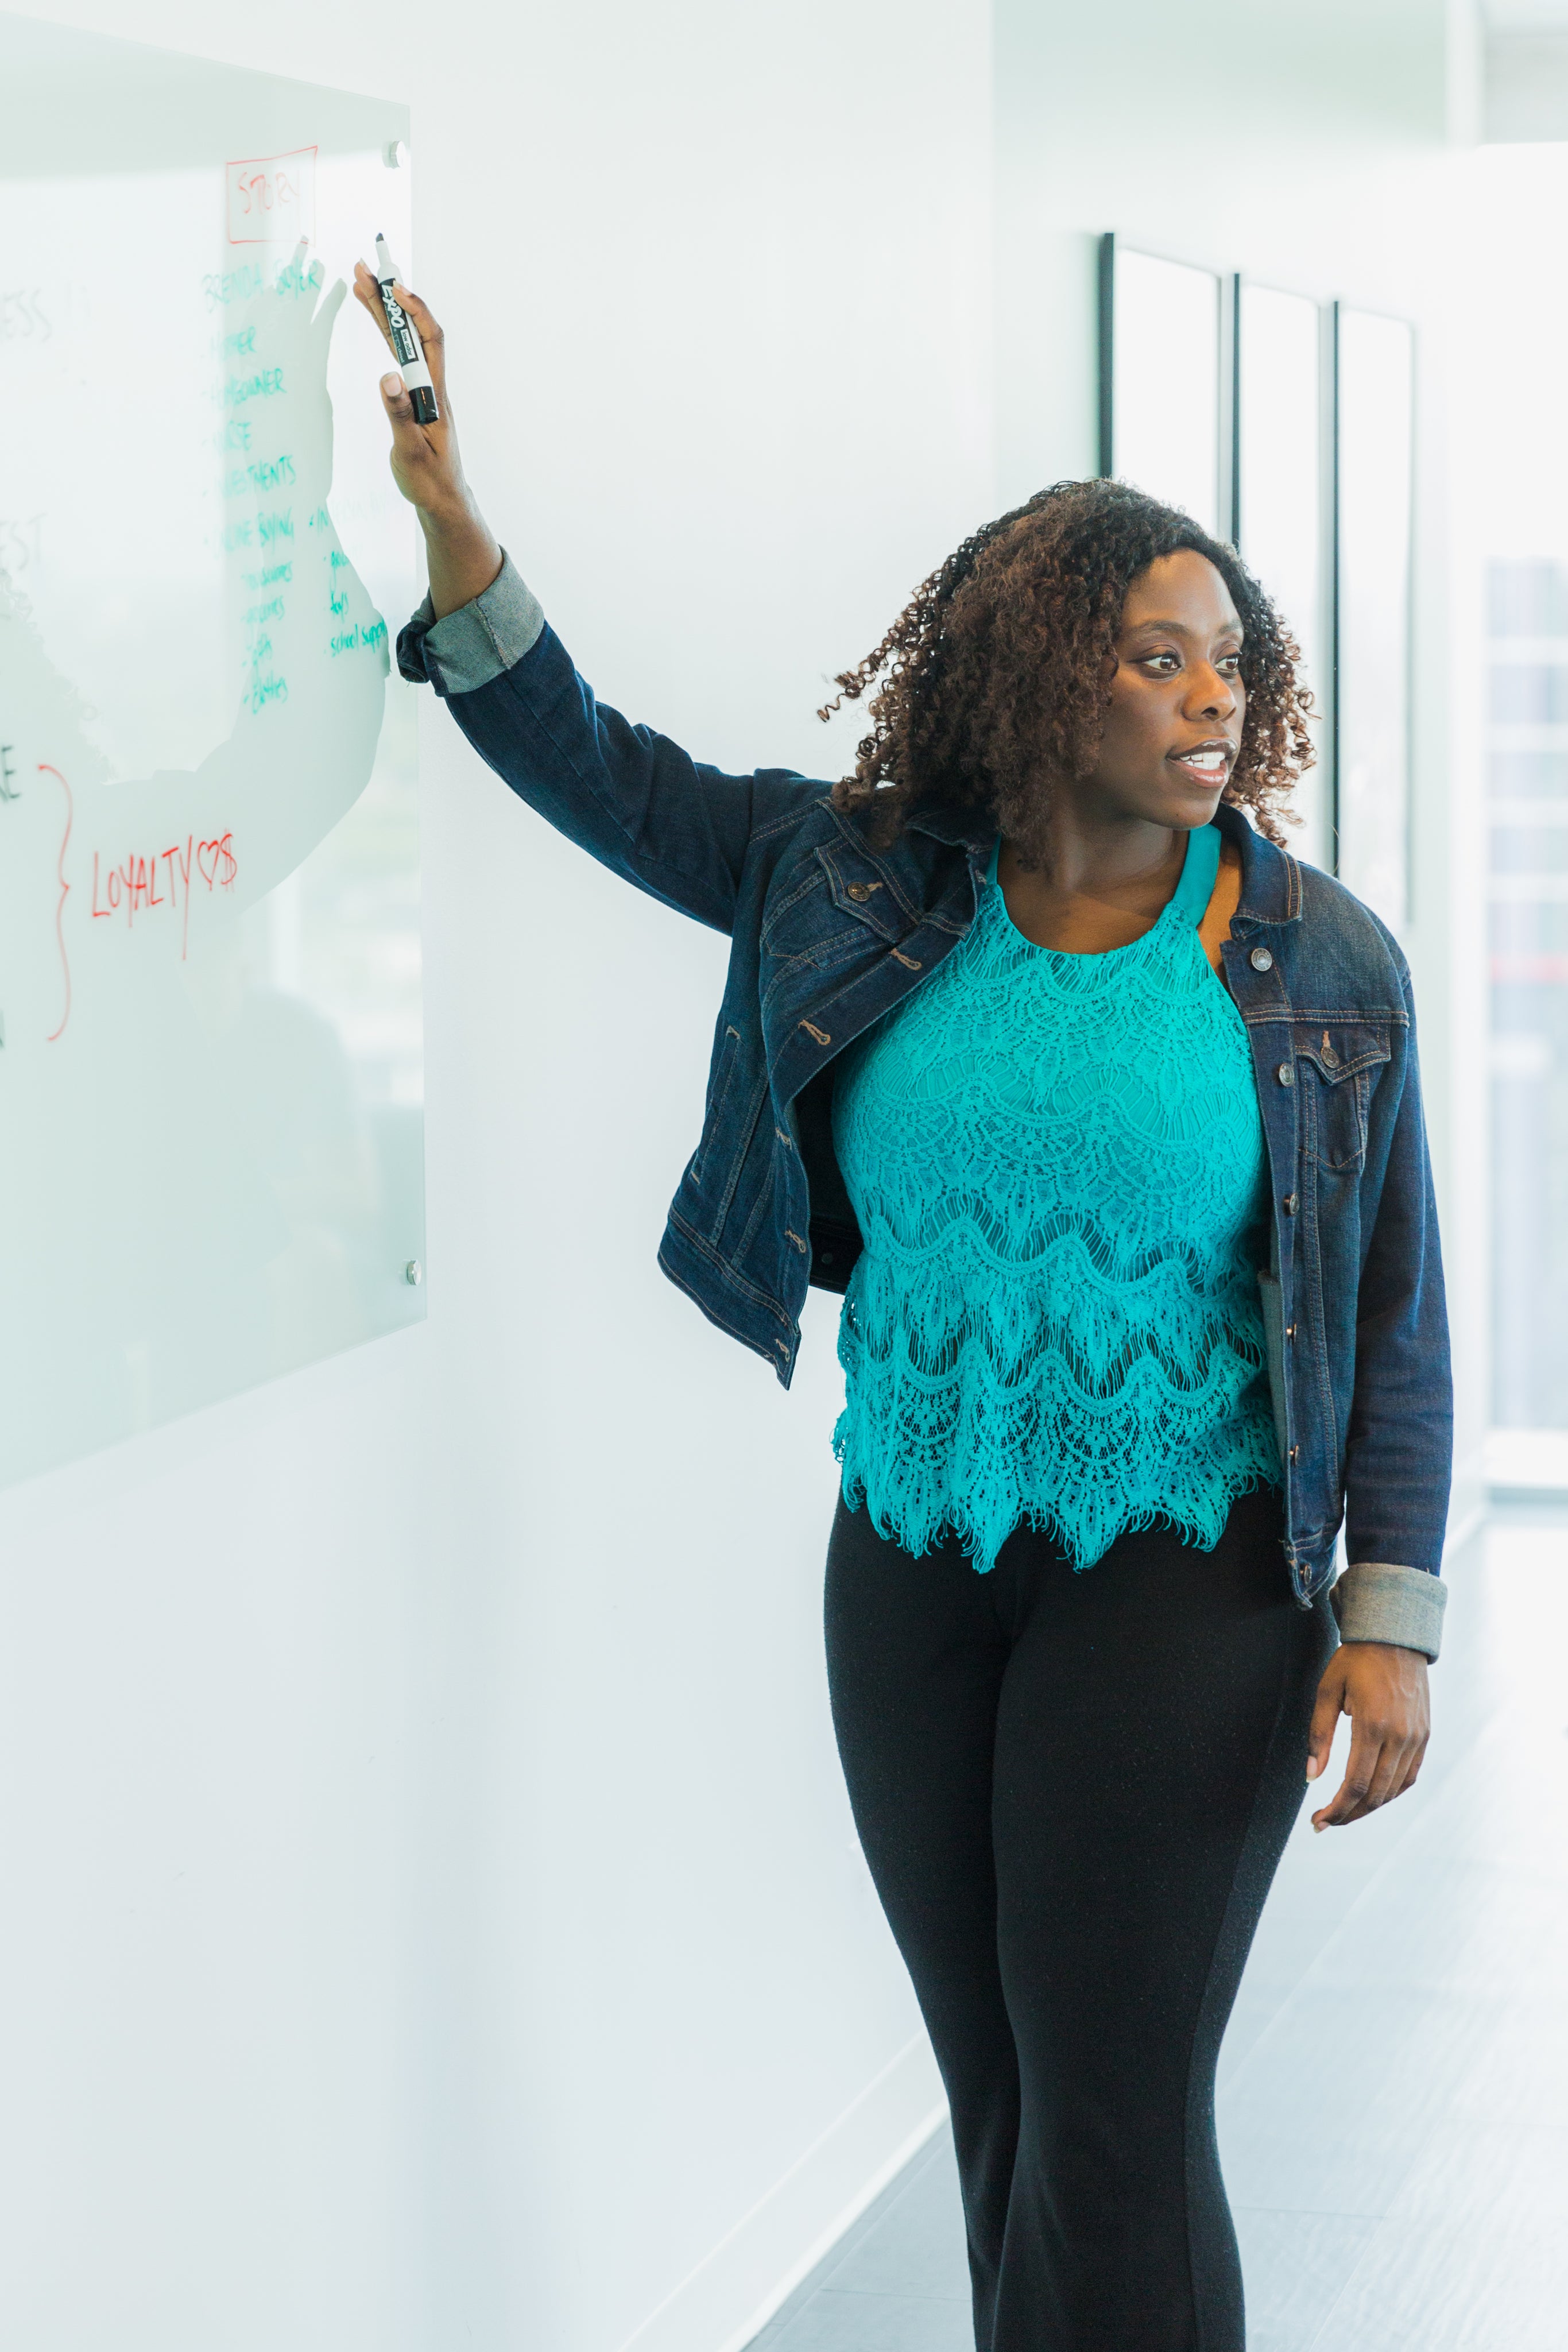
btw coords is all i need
(1056, 1163)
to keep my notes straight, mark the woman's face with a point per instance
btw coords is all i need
(1174, 727)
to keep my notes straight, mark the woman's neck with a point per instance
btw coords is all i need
(1101, 884)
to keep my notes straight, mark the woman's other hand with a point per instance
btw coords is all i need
(1383, 1692)
(462, 554)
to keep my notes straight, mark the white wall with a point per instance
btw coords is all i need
(433, 1913)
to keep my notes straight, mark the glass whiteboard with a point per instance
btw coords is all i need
(211, 1124)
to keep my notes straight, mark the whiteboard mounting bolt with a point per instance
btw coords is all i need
(413, 1273)
(394, 154)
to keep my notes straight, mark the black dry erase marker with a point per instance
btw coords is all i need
(405, 341)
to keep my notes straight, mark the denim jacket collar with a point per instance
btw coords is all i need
(1271, 877)
(972, 829)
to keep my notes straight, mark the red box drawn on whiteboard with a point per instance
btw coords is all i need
(271, 197)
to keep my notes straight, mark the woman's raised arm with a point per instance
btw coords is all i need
(676, 828)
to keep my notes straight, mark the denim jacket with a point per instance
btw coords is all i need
(827, 933)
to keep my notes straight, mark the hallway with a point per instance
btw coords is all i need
(1393, 2086)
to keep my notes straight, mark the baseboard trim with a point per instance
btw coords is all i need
(735, 2290)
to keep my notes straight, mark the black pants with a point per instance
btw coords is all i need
(1073, 1791)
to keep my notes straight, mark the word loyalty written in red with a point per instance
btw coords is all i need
(137, 886)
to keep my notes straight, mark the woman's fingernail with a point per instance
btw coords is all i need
(392, 385)
(1313, 1767)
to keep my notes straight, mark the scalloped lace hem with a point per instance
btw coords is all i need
(1196, 1504)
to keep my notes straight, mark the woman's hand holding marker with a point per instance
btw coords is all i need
(404, 336)
(461, 551)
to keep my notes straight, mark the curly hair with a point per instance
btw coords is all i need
(996, 677)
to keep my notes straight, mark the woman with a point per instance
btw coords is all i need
(1105, 1114)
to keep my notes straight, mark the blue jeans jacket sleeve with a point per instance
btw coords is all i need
(1399, 1439)
(676, 828)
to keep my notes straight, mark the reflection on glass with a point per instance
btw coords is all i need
(1375, 390)
(1165, 382)
(1279, 475)
(1527, 763)
(211, 1146)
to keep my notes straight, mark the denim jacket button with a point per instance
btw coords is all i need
(859, 890)
(1260, 959)
(1288, 1204)
(1286, 1074)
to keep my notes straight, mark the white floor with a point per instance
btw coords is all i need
(1394, 2087)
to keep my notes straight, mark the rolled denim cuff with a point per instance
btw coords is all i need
(467, 648)
(1376, 1603)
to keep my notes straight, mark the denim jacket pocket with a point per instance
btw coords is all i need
(1339, 1061)
(809, 927)
(865, 891)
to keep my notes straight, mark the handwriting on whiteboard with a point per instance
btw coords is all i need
(130, 885)
(271, 198)
(163, 884)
